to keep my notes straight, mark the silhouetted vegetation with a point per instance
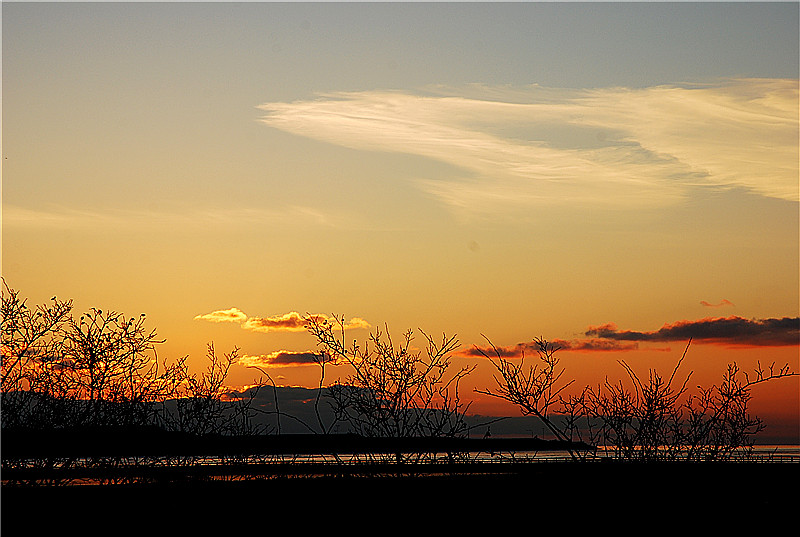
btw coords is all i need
(653, 420)
(88, 398)
(102, 370)
(394, 390)
(536, 391)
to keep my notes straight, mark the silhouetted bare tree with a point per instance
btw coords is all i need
(59, 372)
(110, 362)
(537, 390)
(31, 337)
(102, 370)
(394, 390)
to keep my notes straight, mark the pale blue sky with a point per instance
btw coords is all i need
(159, 76)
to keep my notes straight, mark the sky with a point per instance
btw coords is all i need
(614, 177)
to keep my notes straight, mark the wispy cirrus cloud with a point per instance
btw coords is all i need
(607, 146)
(287, 322)
(178, 216)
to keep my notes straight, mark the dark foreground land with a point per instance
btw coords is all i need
(374, 498)
(579, 494)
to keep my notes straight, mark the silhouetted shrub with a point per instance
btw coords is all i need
(653, 419)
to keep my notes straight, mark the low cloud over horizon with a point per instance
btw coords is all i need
(281, 358)
(727, 331)
(731, 331)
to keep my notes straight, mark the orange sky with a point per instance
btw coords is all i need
(605, 176)
(587, 360)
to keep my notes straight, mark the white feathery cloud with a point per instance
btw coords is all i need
(610, 147)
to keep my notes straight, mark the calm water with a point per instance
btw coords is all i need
(765, 453)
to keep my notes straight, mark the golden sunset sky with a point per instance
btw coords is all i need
(616, 177)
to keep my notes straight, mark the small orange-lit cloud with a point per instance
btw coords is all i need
(725, 302)
(731, 331)
(357, 322)
(288, 322)
(282, 358)
(232, 315)
(294, 322)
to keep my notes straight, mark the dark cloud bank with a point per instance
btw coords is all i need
(727, 331)
(721, 330)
